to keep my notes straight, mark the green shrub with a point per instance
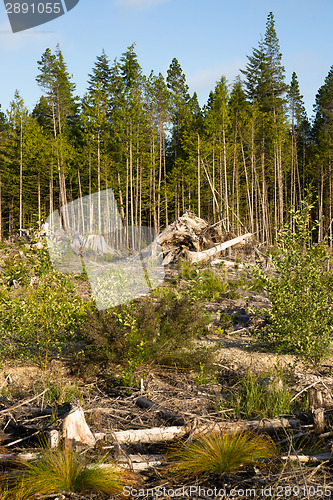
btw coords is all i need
(157, 329)
(301, 318)
(219, 453)
(39, 322)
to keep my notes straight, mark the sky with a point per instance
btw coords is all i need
(210, 38)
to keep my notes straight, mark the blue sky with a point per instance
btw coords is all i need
(210, 38)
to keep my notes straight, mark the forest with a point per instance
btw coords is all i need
(221, 374)
(246, 157)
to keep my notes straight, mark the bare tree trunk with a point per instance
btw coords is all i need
(321, 202)
(154, 183)
(39, 202)
(21, 175)
(199, 178)
(99, 181)
(165, 187)
(247, 187)
(213, 183)
(0, 209)
(226, 200)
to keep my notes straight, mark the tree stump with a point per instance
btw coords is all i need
(317, 409)
(75, 430)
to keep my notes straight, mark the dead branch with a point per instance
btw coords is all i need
(207, 254)
(8, 410)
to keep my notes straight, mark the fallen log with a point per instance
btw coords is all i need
(140, 462)
(133, 463)
(10, 458)
(207, 254)
(227, 264)
(160, 434)
(320, 457)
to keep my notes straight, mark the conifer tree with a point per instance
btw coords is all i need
(179, 100)
(17, 115)
(299, 127)
(323, 137)
(55, 81)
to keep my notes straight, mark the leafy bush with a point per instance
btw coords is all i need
(219, 453)
(159, 328)
(37, 322)
(301, 317)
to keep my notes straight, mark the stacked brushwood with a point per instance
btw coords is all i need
(193, 238)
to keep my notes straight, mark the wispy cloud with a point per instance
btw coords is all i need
(138, 4)
(15, 42)
(207, 77)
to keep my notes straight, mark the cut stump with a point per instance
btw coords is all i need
(75, 430)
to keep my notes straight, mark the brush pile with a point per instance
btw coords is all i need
(193, 238)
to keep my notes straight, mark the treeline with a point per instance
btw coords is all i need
(246, 157)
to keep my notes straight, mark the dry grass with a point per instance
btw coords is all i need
(64, 470)
(219, 453)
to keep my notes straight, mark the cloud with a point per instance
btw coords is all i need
(17, 42)
(138, 4)
(207, 77)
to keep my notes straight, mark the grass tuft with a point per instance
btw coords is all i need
(219, 453)
(65, 470)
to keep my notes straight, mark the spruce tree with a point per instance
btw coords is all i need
(56, 83)
(265, 73)
(323, 151)
(179, 100)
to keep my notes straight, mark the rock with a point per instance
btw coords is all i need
(272, 384)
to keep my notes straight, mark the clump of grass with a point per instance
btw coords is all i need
(252, 399)
(65, 470)
(204, 283)
(60, 392)
(220, 453)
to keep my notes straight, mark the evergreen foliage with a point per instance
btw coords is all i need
(246, 157)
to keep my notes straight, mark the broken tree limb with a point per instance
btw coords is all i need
(8, 410)
(207, 254)
(162, 412)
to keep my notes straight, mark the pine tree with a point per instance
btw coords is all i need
(132, 87)
(265, 73)
(299, 127)
(323, 137)
(217, 123)
(58, 88)
(17, 114)
(179, 100)
(96, 119)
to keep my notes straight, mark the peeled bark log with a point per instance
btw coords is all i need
(320, 457)
(154, 435)
(160, 434)
(207, 254)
